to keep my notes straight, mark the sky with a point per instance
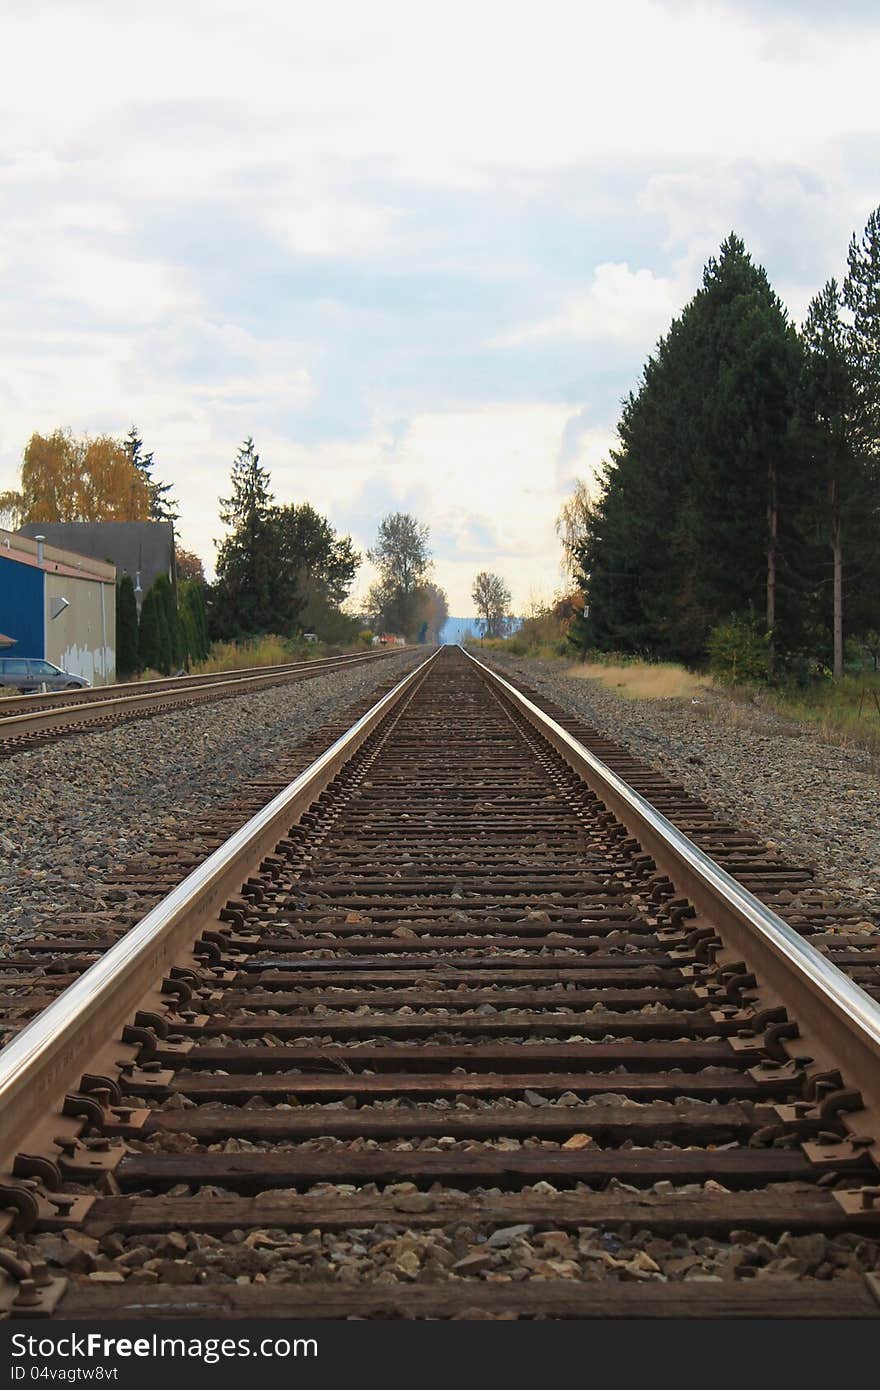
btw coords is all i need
(419, 252)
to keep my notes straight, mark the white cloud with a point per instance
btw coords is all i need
(317, 220)
(620, 305)
(485, 478)
(194, 386)
(491, 91)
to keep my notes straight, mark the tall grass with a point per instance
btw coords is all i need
(841, 712)
(259, 651)
(644, 680)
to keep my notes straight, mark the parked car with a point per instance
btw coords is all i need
(26, 673)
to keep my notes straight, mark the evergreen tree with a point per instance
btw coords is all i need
(281, 568)
(198, 605)
(126, 627)
(162, 505)
(244, 599)
(166, 648)
(192, 620)
(861, 293)
(829, 431)
(188, 631)
(149, 634)
(171, 622)
(698, 514)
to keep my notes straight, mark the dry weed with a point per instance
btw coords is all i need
(642, 680)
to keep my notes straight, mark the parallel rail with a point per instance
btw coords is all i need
(27, 719)
(837, 1021)
(460, 909)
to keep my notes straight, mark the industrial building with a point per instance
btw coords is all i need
(142, 549)
(58, 606)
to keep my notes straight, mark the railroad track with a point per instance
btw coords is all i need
(456, 1025)
(28, 720)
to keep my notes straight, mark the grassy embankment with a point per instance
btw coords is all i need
(840, 712)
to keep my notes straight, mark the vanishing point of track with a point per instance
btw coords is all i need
(458, 976)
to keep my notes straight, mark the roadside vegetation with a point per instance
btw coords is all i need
(732, 542)
(739, 517)
(269, 650)
(845, 712)
(645, 680)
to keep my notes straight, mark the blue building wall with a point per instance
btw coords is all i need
(22, 610)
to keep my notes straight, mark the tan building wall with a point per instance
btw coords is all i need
(82, 637)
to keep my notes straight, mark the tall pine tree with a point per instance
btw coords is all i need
(247, 558)
(829, 437)
(861, 294)
(162, 505)
(166, 598)
(698, 516)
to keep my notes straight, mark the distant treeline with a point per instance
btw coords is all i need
(746, 486)
(283, 569)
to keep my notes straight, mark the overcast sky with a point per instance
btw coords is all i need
(418, 251)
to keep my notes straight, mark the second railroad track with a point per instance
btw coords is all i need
(28, 720)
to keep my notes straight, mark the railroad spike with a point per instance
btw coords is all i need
(40, 1167)
(144, 1039)
(179, 986)
(839, 1102)
(92, 1085)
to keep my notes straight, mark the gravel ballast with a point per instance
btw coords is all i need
(77, 808)
(818, 802)
(468, 1250)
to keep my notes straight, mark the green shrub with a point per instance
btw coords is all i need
(149, 639)
(868, 647)
(738, 651)
(173, 650)
(126, 628)
(191, 613)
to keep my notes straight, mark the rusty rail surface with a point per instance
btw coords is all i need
(475, 969)
(27, 719)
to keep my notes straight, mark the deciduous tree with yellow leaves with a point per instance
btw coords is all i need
(65, 478)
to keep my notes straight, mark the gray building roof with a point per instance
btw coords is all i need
(134, 547)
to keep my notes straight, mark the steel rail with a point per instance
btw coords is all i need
(97, 708)
(838, 1020)
(63, 699)
(51, 1053)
